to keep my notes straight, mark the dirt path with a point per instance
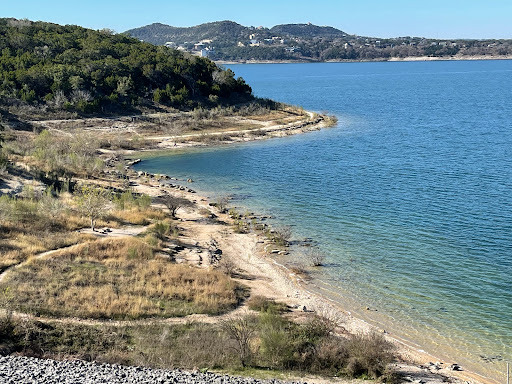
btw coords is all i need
(114, 232)
(200, 318)
(267, 128)
(36, 257)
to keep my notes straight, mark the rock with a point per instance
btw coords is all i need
(32, 370)
(455, 367)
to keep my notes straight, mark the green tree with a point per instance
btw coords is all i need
(93, 202)
(174, 203)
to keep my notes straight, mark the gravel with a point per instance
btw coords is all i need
(26, 370)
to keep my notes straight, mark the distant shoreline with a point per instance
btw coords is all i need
(393, 59)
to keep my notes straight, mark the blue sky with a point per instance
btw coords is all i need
(392, 18)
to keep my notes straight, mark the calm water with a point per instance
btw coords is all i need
(410, 196)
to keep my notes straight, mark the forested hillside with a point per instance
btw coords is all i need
(158, 33)
(226, 40)
(86, 71)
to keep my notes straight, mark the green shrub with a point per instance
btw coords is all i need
(161, 229)
(264, 304)
(277, 345)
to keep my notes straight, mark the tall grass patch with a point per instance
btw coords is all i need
(119, 279)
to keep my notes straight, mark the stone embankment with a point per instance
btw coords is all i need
(16, 370)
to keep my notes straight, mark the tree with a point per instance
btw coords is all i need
(173, 129)
(75, 69)
(240, 330)
(51, 206)
(93, 202)
(173, 203)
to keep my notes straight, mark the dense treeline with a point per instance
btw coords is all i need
(327, 49)
(74, 68)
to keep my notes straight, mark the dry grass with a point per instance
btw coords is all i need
(136, 216)
(119, 278)
(20, 246)
(29, 226)
(22, 239)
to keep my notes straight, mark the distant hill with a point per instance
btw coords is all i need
(306, 31)
(159, 34)
(223, 31)
(70, 68)
(227, 40)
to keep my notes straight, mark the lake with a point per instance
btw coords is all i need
(409, 196)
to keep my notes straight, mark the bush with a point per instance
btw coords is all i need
(227, 266)
(281, 235)
(314, 258)
(128, 199)
(174, 203)
(51, 207)
(221, 203)
(264, 304)
(277, 345)
(241, 330)
(331, 356)
(161, 229)
(368, 355)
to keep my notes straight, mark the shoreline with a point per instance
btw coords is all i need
(276, 280)
(279, 282)
(171, 144)
(377, 60)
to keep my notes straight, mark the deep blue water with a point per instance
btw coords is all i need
(410, 196)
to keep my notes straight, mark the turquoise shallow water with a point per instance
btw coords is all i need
(410, 196)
